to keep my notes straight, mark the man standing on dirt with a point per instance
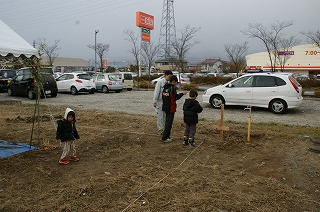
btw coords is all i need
(157, 101)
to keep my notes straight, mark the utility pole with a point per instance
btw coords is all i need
(95, 49)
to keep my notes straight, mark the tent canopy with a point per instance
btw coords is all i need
(11, 42)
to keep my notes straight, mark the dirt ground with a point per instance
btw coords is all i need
(125, 167)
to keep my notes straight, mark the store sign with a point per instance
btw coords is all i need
(105, 63)
(145, 35)
(253, 68)
(144, 20)
(286, 53)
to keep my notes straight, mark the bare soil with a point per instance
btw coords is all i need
(125, 167)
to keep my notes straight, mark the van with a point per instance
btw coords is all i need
(127, 80)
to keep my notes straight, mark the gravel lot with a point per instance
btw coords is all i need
(140, 102)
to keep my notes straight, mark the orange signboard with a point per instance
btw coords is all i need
(144, 20)
(145, 37)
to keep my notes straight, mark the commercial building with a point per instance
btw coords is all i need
(301, 59)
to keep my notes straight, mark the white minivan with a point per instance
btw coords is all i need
(127, 80)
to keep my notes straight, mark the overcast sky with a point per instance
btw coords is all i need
(74, 22)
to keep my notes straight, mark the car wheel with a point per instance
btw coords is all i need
(105, 89)
(118, 91)
(91, 91)
(31, 94)
(54, 94)
(278, 106)
(74, 90)
(216, 101)
(10, 92)
(129, 89)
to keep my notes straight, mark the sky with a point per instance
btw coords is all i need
(74, 22)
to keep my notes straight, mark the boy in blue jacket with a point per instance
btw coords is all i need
(191, 108)
(169, 98)
(66, 134)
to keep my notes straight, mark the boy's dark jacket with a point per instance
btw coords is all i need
(169, 97)
(67, 131)
(191, 108)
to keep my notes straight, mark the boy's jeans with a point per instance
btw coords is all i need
(168, 125)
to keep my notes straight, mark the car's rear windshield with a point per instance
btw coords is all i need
(47, 77)
(7, 73)
(84, 76)
(184, 76)
(114, 77)
(127, 76)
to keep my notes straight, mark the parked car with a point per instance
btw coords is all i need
(24, 85)
(57, 74)
(6, 76)
(127, 80)
(215, 74)
(302, 77)
(182, 78)
(108, 82)
(75, 83)
(276, 91)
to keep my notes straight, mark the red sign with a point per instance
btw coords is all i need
(144, 20)
(104, 63)
(253, 68)
(145, 37)
(286, 53)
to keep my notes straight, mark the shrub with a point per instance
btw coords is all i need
(310, 83)
(145, 84)
(317, 92)
(209, 80)
(190, 86)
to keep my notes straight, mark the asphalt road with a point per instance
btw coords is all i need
(140, 102)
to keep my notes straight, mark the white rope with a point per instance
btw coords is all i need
(162, 178)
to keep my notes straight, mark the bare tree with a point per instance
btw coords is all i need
(149, 53)
(50, 51)
(270, 37)
(313, 37)
(102, 49)
(135, 49)
(236, 55)
(134, 40)
(183, 44)
(285, 45)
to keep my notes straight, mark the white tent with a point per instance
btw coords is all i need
(11, 42)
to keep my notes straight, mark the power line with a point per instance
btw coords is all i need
(79, 13)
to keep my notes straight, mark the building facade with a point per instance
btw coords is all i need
(301, 59)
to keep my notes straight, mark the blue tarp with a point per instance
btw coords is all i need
(12, 148)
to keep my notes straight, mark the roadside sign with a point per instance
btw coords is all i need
(145, 34)
(145, 37)
(144, 20)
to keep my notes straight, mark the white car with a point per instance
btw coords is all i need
(276, 91)
(108, 82)
(75, 82)
(183, 79)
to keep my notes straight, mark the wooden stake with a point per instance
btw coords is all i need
(221, 126)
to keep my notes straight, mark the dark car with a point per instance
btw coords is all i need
(5, 77)
(23, 85)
